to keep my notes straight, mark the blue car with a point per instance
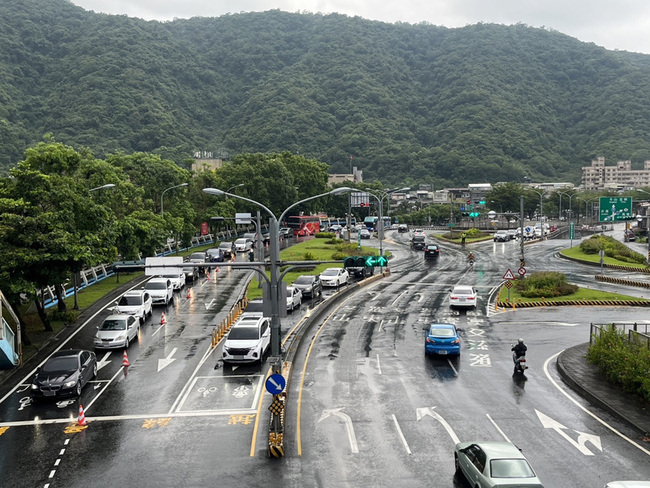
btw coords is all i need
(442, 339)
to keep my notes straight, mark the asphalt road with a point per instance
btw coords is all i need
(366, 407)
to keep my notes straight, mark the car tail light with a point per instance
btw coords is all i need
(470, 298)
(453, 298)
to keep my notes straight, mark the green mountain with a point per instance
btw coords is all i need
(409, 103)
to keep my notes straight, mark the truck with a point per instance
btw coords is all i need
(170, 267)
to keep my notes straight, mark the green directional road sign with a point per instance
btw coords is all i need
(615, 209)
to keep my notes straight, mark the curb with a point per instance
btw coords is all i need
(622, 281)
(591, 397)
(605, 265)
(616, 303)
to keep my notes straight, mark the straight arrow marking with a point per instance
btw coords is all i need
(549, 423)
(163, 363)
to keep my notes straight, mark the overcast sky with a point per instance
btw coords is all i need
(613, 24)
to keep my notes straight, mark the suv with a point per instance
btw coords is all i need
(247, 341)
(501, 236)
(294, 298)
(418, 242)
(309, 285)
(135, 302)
(401, 228)
(161, 291)
(177, 279)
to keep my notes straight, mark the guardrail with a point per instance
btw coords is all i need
(632, 331)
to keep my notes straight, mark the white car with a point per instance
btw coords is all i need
(294, 298)
(161, 290)
(117, 331)
(135, 302)
(247, 340)
(334, 277)
(177, 279)
(463, 296)
(243, 245)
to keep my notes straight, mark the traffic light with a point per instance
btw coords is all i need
(365, 261)
(474, 214)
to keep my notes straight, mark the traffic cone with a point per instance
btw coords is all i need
(125, 360)
(82, 418)
(189, 294)
(163, 320)
(207, 276)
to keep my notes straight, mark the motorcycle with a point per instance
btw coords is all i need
(520, 363)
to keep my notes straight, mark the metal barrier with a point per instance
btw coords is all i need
(221, 329)
(631, 330)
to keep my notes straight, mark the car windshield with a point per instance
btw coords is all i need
(510, 468)
(197, 255)
(130, 301)
(441, 332)
(241, 241)
(463, 291)
(61, 364)
(156, 285)
(244, 333)
(432, 248)
(225, 245)
(418, 238)
(304, 280)
(112, 324)
(330, 272)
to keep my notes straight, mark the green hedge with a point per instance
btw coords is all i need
(625, 364)
(612, 248)
(546, 284)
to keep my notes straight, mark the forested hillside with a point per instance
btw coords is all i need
(410, 103)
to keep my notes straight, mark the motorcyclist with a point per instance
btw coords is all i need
(470, 258)
(519, 349)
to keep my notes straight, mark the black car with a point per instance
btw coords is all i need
(418, 243)
(401, 228)
(64, 374)
(309, 285)
(432, 251)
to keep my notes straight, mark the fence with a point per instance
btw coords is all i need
(635, 332)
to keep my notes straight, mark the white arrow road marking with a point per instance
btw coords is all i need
(348, 425)
(423, 412)
(104, 361)
(549, 423)
(208, 305)
(163, 363)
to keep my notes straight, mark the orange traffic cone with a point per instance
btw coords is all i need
(163, 320)
(207, 276)
(82, 418)
(189, 294)
(125, 360)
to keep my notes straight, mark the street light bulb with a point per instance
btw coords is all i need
(342, 189)
(213, 191)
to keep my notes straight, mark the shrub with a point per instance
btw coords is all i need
(325, 235)
(473, 232)
(67, 317)
(545, 284)
(612, 248)
(309, 256)
(625, 364)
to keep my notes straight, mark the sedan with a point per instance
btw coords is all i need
(431, 251)
(228, 249)
(463, 296)
(64, 374)
(442, 339)
(117, 331)
(628, 484)
(215, 255)
(494, 464)
(365, 234)
(334, 277)
(309, 285)
(242, 244)
(294, 298)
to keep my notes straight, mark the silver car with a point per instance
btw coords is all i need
(493, 465)
(116, 332)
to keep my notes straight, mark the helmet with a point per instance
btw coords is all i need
(520, 341)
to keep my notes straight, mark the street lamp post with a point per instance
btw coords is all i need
(162, 212)
(541, 212)
(274, 259)
(380, 222)
(570, 195)
(107, 185)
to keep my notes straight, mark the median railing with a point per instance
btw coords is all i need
(636, 333)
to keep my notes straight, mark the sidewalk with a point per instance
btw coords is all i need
(586, 380)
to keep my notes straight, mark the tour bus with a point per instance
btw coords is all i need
(304, 225)
(371, 222)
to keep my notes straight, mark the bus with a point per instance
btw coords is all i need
(304, 225)
(371, 222)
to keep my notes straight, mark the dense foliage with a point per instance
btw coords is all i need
(612, 248)
(409, 103)
(625, 363)
(545, 284)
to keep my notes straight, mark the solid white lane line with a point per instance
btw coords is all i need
(401, 435)
(588, 412)
(378, 364)
(503, 434)
(452, 367)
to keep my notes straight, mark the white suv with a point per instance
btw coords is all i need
(247, 341)
(177, 279)
(135, 302)
(161, 290)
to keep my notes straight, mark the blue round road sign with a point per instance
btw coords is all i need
(275, 384)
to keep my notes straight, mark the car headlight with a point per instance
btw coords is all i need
(34, 386)
(120, 337)
(69, 384)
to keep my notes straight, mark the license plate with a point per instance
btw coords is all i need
(443, 352)
(239, 357)
(48, 393)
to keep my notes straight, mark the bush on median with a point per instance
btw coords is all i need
(545, 284)
(612, 248)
